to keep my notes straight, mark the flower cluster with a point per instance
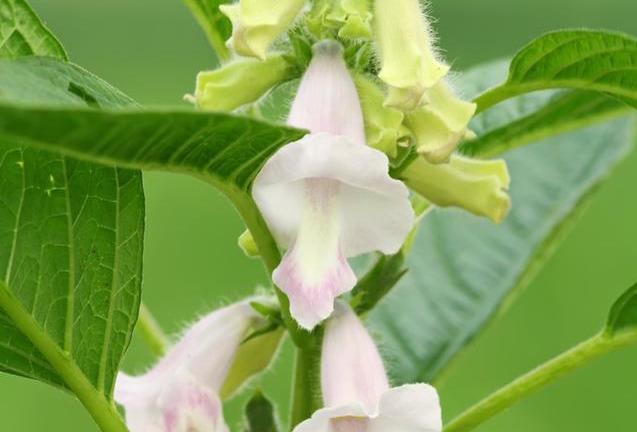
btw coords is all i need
(325, 198)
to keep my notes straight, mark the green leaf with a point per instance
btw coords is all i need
(260, 415)
(462, 269)
(378, 281)
(578, 59)
(623, 314)
(70, 242)
(224, 149)
(22, 33)
(215, 24)
(563, 112)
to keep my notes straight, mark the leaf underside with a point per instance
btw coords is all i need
(22, 33)
(71, 232)
(224, 149)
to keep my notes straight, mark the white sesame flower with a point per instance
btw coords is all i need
(328, 196)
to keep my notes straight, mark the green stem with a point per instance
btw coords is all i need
(305, 400)
(212, 34)
(152, 332)
(102, 410)
(507, 396)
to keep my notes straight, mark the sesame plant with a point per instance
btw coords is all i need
(394, 203)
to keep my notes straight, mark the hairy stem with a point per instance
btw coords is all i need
(152, 332)
(305, 399)
(523, 386)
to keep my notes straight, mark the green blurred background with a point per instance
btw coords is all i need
(152, 51)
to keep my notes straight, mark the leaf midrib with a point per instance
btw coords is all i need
(70, 301)
(101, 378)
(18, 216)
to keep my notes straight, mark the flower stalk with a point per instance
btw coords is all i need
(305, 394)
(522, 387)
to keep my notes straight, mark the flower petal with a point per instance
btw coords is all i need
(188, 406)
(314, 271)
(320, 420)
(352, 371)
(180, 404)
(181, 392)
(208, 348)
(409, 408)
(327, 100)
(375, 212)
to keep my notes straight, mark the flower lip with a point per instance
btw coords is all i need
(375, 210)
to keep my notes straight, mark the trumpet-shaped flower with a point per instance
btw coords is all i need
(182, 392)
(409, 63)
(356, 391)
(257, 23)
(440, 123)
(477, 186)
(328, 196)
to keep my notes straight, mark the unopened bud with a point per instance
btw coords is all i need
(238, 83)
(409, 62)
(440, 123)
(257, 23)
(383, 125)
(480, 187)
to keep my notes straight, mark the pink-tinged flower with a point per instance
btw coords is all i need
(328, 196)
(181, 393)
(356, 392)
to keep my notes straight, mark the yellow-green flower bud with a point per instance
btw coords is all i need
(440, 123)
(351, 19)
(248, 245)
(408, 59)
(239, 82)
(252, 357)
(383, 125)
(257, 23)
(355, 16)
(477, 186)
